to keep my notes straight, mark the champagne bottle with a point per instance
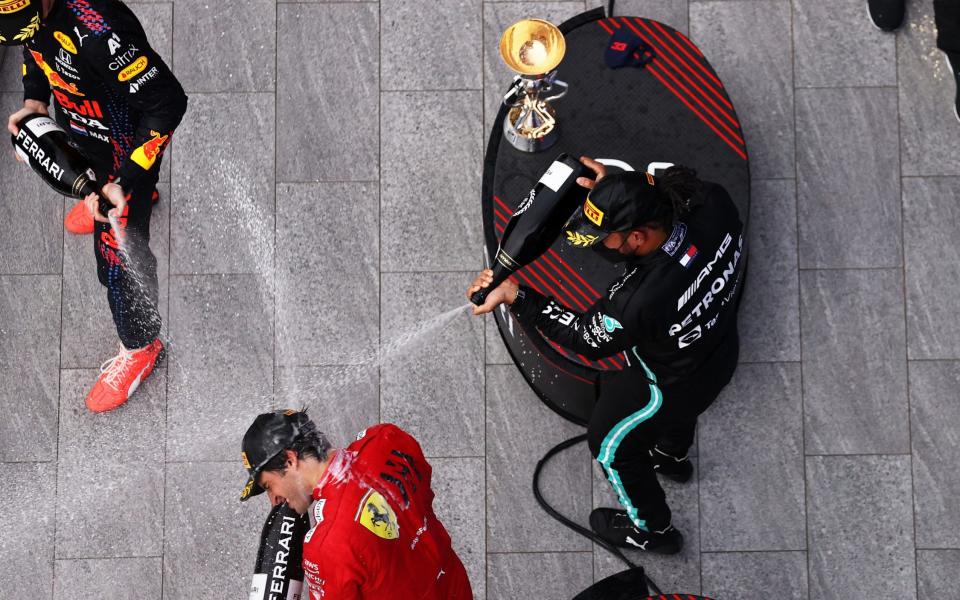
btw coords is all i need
(538, 220)
(278, 574)
(46, 147)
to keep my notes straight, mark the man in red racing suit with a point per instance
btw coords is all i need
(375, 534)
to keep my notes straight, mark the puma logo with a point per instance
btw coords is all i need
(633, 542)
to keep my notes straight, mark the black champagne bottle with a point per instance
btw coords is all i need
(278, 574)
(46, 147)
(538, 220)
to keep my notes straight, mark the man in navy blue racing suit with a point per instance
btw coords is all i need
(119, 103)
(673, 317)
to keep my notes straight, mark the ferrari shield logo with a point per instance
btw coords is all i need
(375, 514)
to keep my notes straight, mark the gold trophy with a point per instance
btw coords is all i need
(532, 48)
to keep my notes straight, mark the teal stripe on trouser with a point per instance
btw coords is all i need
(608, 448)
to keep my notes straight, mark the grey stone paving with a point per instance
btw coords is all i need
(309, 215)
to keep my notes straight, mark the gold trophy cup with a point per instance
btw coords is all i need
(532, 48)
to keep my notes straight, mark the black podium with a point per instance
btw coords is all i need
(673, 109)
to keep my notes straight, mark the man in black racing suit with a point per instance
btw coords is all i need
(672, 315)
(120, 103)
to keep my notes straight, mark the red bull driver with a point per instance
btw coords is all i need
(374, 532)
(672, 315)
(120, 104)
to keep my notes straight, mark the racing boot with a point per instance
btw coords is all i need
(887, 15)
(671, 467)
(79, 221)
(121, 375)
(614, 526)
(953, 61)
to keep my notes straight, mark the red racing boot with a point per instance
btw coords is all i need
(121, 375)
(79, 221)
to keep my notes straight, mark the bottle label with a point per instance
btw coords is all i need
(556, 175)
(296, 590)
(42, 126)
(258, 588)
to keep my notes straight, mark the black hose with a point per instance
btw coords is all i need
(590, 535)
(610, 9)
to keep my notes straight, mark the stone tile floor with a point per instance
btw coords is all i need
(290, 249)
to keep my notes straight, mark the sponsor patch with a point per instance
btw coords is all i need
(688, 256)
(147, 154)
(593, 213)
(690, 337)
(8, 7)
(318, 509)
(243, 455)
(65, 41)
(676, 238)
(611, 324)
(137, 67)
(375, 514)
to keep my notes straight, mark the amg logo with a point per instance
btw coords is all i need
(704, 272)
(713, 293)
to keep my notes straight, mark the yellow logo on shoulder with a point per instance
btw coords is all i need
(11, 6)
(65, 41)
(246, 461)
(375, 514)
(593, 213)
(132, 70)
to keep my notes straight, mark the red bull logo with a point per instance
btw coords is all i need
(54, 78)
(85, 108)
(147, 154)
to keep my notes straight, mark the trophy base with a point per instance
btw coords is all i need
(522, 139)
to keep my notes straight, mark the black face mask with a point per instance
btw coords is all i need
(612, 255)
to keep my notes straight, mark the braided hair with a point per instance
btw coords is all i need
(677, 186)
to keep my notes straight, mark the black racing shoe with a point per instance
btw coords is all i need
(887, 14)
(953, 61)
(671, 467)
(614, 526)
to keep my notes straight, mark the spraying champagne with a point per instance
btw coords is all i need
(278, 574)
(46, 147)
(538, 220)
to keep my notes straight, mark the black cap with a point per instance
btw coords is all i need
(19, 21)
(270, 434)
(617, 203)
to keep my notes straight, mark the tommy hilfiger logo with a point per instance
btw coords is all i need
(688, 256)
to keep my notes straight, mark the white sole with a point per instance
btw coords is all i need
(953, 74)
